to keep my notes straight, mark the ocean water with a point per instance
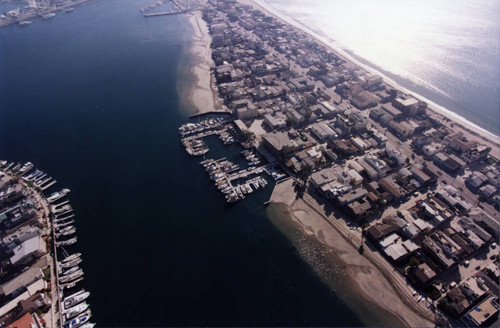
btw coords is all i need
(447, 51)
(91, 98)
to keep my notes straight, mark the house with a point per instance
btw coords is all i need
(247, 112)
(409, 105)
(402, 129)
(322, 177)
(28, 249)
(359, 207)
(280, 144)
(322, 131)
(441, 249)
(364, 100)
(393, 152)
(352, 196)
(420, 176)
(421, 275)
(391, 110)
(276, 121)
(26, 321)
(30, 280)
(392, 188)
(484, 312)
(377, 164)
(11, 195)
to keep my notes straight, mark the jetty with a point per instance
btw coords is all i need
(165, 13)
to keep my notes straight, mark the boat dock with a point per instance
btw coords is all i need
(193, 133)
(236, 183)
(72, 311)
(165, 13)
(213, 112)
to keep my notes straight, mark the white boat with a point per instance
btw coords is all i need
(74, 300)
(57, 195)
(60, 225)
(75, 310)
(65, 229)
(70, 271)
(79, 320)
(28, 165)
(66, 233)
(70, 264)
(69, 278)
(66, 242)
(47, 16)
(73, 283)
(87, 325)
(75, 294)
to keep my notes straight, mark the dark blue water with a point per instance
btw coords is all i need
(90, 97)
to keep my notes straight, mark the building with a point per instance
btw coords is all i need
(364, 100)
(322, 177)
(402, 129)
(421, 275)
(485, 311)
(322, 131)
(279, 144)
(30, 280)
(391, 110)
(409, 105)
(26, 321)
(276, 121)
(28, 249)
(247, 112)
(377, 164)
(352, 196)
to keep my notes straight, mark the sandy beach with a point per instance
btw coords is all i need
(202, 95)
(368, 275)
(456, 122)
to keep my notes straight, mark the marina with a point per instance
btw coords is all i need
(192, 135)
(67, 272)
(233, 180)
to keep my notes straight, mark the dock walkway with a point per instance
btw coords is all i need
(165, 13)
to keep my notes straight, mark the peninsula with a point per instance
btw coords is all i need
(403, 193)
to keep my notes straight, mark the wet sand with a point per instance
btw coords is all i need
(201, 96)
(367, 283)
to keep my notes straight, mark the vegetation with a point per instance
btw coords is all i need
(305, 172)
(46, 273)
(248, 136)
(433, 292)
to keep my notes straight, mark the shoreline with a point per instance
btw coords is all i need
(468, 128)
(202, 95)
(366, 275)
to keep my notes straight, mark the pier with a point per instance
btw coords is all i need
(165, 13)
(65, 310)
(213, 112)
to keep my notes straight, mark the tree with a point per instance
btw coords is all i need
(248, 136)
(290, 121)
(307, 113)
(304, 172)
